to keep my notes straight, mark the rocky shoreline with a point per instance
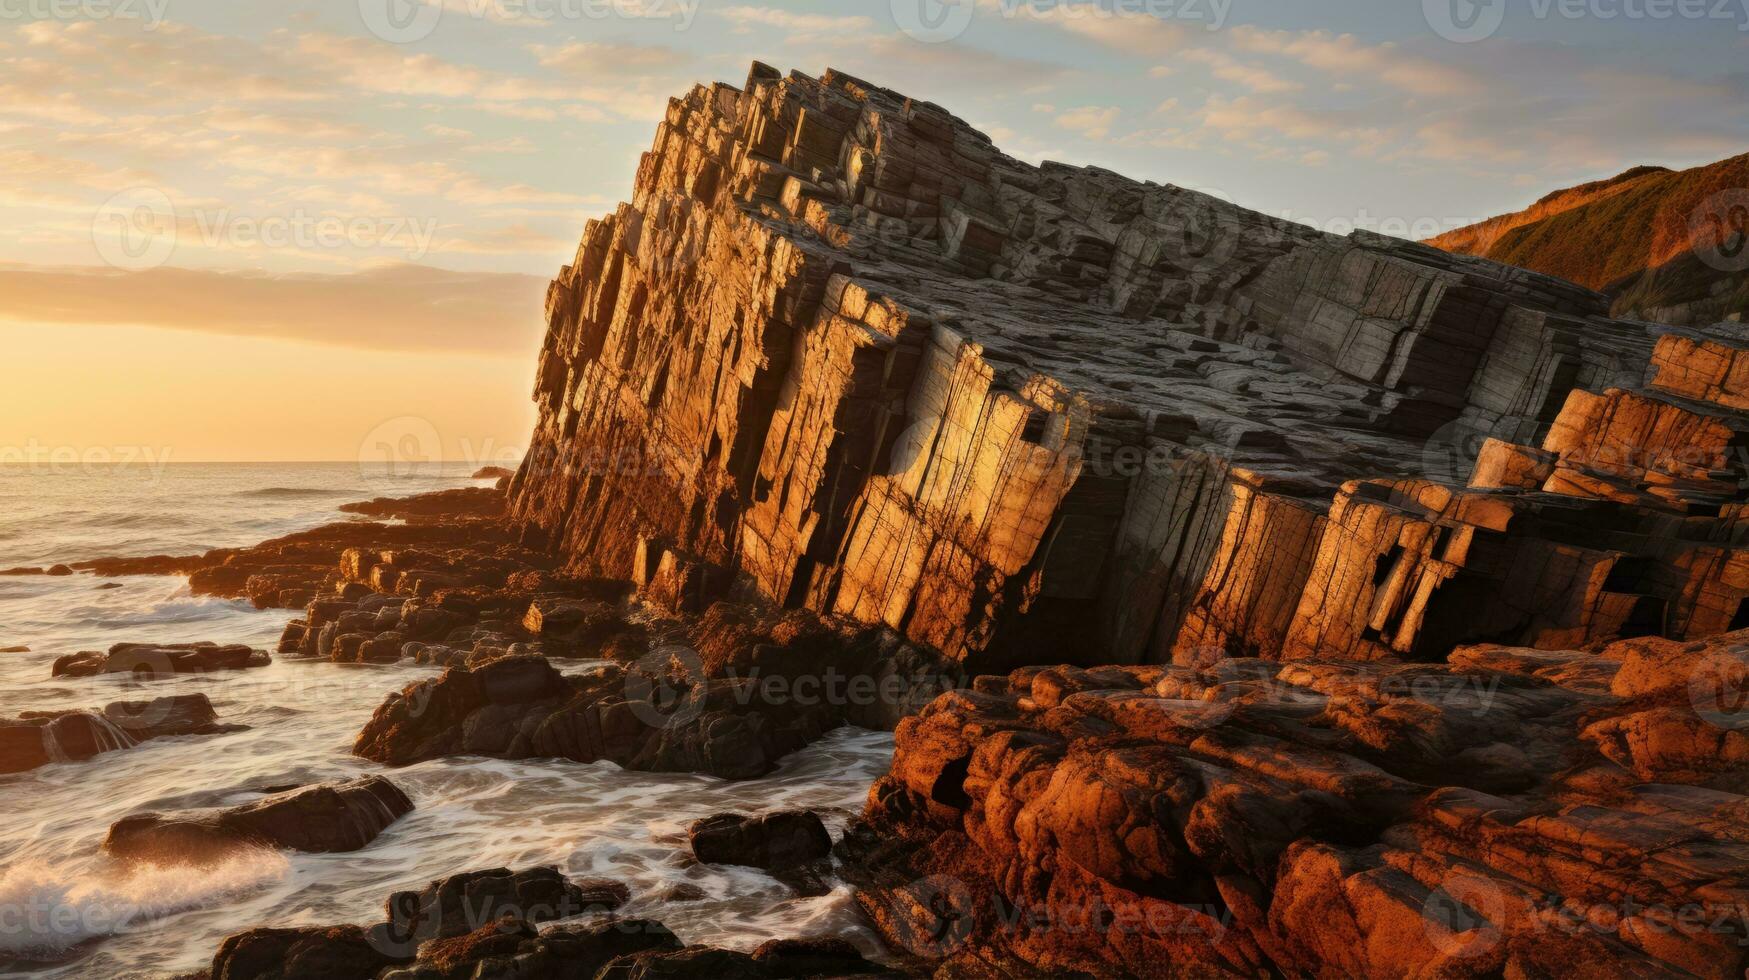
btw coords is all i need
(1115, 503)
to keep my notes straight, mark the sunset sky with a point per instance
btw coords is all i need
(369, 197)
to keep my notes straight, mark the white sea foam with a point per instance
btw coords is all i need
(470, 814)
(45, 912)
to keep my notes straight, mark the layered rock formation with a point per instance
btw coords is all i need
(289, 572)
(841, 353)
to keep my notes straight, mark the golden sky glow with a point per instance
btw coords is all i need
(184, 396)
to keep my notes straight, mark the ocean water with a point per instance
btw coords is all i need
(66, 910)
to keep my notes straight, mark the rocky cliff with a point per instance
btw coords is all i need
(1664, 245)
(840, 352)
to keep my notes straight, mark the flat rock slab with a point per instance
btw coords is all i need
(153, 660)
(322, 818)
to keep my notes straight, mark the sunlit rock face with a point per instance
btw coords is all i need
(1511, 812)
(840, 352)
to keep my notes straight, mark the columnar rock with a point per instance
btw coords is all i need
(840, 352)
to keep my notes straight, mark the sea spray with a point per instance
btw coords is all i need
(46, 912)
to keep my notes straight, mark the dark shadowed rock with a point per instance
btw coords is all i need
(436, 505)
(783, 839)
(789, 959)
(326, 817)
(306, 953)
(463, 903)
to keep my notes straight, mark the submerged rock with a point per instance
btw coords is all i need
(322, 818)
(38, 738)
(149, 661)
(790, 845)
(777, 840)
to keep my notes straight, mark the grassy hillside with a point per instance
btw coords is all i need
(1634, 236)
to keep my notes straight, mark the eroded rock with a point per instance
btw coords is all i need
(1013, 413)
(1519, 811)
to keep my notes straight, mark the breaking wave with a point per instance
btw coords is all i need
(46, 913)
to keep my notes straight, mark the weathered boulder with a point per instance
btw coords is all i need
(322, 818)
(777, 840)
